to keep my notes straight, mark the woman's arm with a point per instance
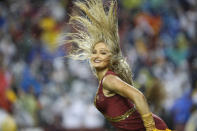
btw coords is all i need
(116, 85)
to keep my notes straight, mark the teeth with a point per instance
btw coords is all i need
(97, 61)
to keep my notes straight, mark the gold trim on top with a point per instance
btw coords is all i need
(122, 117)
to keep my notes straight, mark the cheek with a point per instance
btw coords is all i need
(107, 60)
(91, 58)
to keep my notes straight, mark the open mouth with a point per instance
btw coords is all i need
(97, 61)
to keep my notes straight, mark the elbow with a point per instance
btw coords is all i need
(141, 104)
(139, 98)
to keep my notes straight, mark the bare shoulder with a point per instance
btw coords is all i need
(115, 84)
(112, 82)
(109, 79)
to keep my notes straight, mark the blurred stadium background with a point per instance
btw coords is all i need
(42, 90)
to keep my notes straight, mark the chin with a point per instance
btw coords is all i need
(100, 67)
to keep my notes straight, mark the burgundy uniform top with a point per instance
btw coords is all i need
(121, 112)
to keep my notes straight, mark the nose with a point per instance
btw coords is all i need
(95, 56)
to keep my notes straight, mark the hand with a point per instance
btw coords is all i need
(149, 123)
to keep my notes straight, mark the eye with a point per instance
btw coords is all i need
(94, 52)
(103, 53)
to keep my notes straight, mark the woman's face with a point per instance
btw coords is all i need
(100, 56)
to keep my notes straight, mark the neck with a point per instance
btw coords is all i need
(101, 73)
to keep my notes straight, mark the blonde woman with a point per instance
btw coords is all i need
(96, 39)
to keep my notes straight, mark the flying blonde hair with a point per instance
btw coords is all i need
(94, 23)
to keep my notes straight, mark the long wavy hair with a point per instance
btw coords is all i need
(93, 22)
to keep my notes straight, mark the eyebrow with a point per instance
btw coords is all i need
(102, 49)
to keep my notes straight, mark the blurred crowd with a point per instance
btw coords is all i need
(41, 89)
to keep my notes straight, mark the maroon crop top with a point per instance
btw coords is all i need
(121, 112)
